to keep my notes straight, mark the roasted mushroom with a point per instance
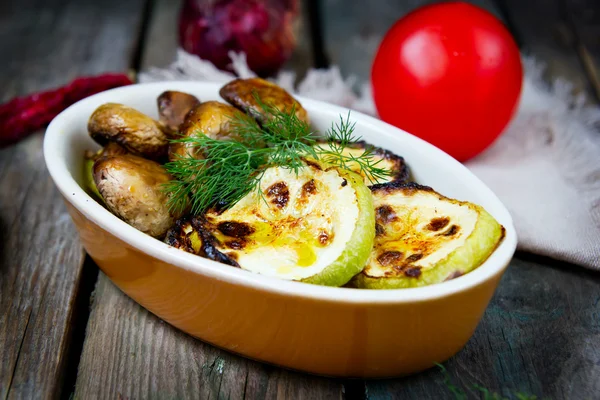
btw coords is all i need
(111, 149)
(173, 106)
(135, 131)
(131, 188)
(424, 238)
(385, 159)
(211, 118)
(242, 94)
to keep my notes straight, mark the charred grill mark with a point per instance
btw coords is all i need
(385, 214)
(344, 182)
(214, 254)
(390, 258)
(438, 223)
(453, 275)
(412, 272)
(175, 235)
(414, 257)
(235, 229)
(208, 241)
(397, 264)
(407, 188)
(308, 189)
(325, 238)
(237, 244)
(379, 230)
(280, 194)
(180, 239)
(451, 232)
(313, 164)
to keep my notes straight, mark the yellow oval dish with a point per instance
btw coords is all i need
(323, 330)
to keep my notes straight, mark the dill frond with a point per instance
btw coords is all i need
(340, 136)
(228, 170)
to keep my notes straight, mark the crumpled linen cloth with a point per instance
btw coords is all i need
(545, 167)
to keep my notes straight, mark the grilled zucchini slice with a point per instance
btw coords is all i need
(399, 171)
(317, 226)
(188, 234)
(424, 238)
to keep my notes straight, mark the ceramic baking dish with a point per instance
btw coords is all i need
(322, 330)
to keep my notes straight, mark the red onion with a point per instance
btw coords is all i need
(263, 29)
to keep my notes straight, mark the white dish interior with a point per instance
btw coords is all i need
(67, 138)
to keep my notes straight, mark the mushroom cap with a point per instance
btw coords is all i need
(132, 188)
(135, 131)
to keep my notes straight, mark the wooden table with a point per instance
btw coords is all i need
(66, 329)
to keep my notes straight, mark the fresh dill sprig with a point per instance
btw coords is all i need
(227, 170)
(341, 136)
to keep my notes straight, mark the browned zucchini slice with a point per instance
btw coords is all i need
(424, 238)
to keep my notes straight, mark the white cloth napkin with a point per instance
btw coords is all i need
(545, 167)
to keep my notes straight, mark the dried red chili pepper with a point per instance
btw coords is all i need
(24, 115)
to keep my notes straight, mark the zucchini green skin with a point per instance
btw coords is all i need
(357, 250)
(88, 177)
(480, 244)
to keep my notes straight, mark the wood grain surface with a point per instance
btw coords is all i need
(161, 42)
(45, 44)
(584, 17)
(545, 32)
(539, 336)
(131, 354)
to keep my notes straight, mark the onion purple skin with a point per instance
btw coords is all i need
(263, 29)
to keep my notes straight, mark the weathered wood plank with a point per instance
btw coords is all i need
(161, 42)
(303, 57)
(545, 32)
(540, 336)
(130, 353)
(44, 44)
(584, 16)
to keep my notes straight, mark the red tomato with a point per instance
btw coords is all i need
(451, 74)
